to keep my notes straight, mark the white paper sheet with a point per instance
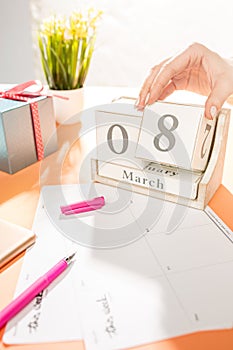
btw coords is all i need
(54, 314)
(162, 277)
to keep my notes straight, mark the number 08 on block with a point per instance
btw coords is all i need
(176, 135)
(169, 151)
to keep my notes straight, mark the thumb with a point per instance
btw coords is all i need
(216, 99)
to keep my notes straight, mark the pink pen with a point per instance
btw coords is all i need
(41, 283)
(82, 210)
(89, 203)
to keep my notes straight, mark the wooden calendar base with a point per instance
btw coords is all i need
(205, 188)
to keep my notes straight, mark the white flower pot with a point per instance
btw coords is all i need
(68, 110)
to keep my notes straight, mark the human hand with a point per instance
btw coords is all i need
(196, 69)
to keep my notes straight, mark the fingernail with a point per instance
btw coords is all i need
(140, 108)
(213, 111)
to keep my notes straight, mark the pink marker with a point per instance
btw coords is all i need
(82, 210)
(95, 202)
(40, 284)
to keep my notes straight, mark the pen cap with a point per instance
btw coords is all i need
(97, 201)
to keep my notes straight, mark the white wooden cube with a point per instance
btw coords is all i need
(177, 135)
(117, 132)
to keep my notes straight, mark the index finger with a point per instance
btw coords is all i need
(146, 87)
(169, 70)
(148, 83)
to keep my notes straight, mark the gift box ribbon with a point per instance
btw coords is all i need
(20, 93)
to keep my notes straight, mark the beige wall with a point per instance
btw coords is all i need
(133, 36)
(16, 54)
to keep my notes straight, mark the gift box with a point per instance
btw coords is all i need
(27, 130)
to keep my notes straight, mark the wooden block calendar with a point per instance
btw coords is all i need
(168, 151)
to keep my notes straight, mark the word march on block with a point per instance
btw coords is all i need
(168, 151)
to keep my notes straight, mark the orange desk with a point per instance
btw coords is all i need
(19, 194)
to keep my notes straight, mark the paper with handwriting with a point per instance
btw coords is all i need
(162, 277)
(53, 315)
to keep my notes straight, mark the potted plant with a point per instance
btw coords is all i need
(66, 46)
